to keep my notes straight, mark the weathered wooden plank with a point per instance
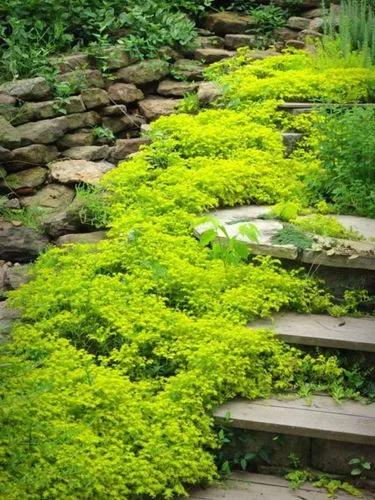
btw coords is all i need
(322, 403)
(346, 422)
(357, 334)
(299, 105)
(251, 486)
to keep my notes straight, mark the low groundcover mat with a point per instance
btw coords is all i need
(125, 347)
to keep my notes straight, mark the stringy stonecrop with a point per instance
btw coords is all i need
(125, 347)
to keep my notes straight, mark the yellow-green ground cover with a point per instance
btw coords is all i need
(125, 347)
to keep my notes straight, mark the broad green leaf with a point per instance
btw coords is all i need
(207, 237)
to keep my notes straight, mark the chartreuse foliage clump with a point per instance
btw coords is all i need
(125, 347)
(338, 143)
(295, 76)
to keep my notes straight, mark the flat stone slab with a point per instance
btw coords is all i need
(347, 254)
(234, 219)
(81, 238)
(252, 486)
(76, 171)
(364, 226)
(357, 334)
(324, 418)
(241, 214)
(330, 252)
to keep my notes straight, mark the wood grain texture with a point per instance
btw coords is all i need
(251, 486)
(349, 422)
(357, 334)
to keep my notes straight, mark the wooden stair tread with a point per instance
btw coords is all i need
(287, 105)
(357, 334)
(252, 486)
(299, 104)
(349, 421)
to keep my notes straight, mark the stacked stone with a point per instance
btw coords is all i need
(47, 145)
(233, 31)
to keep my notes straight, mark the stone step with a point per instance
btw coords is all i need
(328, 252)
(252, 486)
(322, 418)
(363, 225)
(356, 334)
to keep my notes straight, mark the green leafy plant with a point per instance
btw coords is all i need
(75, 85)
(93, 206)
(361, 467)
(294, 461)
(286, 211)
(155, 26)
(227, 248)
(345, 144)
(29, 217)
(334, 485)
(189, 104)
(232, 451)
(324, 225)
(31, 32)
(268, 18)
(298, 478)
(103, 134)
(245, 6)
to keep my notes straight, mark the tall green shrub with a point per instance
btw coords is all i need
(345, 139)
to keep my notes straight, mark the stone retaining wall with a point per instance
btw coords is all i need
(49, 144)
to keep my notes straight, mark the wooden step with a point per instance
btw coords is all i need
(305, 107)
(324, 418)
(252, 486)
(357, 334)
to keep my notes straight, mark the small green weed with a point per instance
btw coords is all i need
(103, 134)
(29, 217)
(268, 18)
(93, 206)
(298, 478)
(229, 249)
(361, 467)
(291, 235)
(189, 104)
